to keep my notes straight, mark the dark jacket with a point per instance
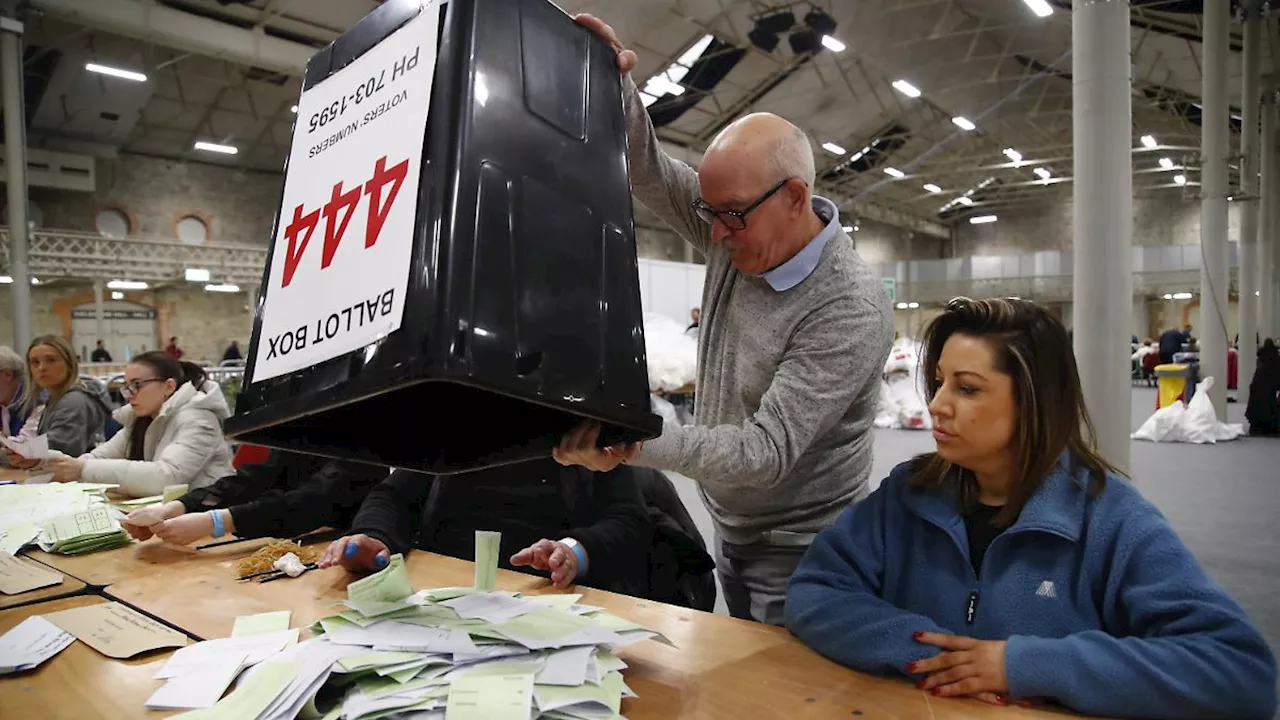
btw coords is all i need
(680, 570)
(1263, 411)
(526, 502)
(289, 494)
(75, 423)
(1170, 344)
(100, 355)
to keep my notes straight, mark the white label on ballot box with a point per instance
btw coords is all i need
(340, 260)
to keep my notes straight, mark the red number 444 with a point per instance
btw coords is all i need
(337, 215)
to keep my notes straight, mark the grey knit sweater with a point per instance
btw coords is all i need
(788, 382)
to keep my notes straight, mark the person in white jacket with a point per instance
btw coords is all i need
(172, 432)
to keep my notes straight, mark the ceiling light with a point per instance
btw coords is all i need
(1150, 141)
(932, 188)
(1039, 7)
(222, 288)
(906, 88)
(833, 148)
(116, 295)
(1166, 163)
(294, 109)
(1013, 155)
(35, 281)
(913, 305)
(982, 219)
(115, 72)
(1180, 179)
(832, 44)
(963, 123)
(215, 147)
(902, 306)
(127, 285)
(197, 275)
(1182, 296)
(895, 172)
(1043, 173)
(5, 280)
(964, 201)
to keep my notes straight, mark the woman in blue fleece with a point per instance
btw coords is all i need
(1015, 562)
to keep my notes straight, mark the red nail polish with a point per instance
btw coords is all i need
(911, 667)
(1002, 700)
(935, 692)
(920, 685)
(917, 635)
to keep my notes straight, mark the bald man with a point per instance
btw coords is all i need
(794, 334)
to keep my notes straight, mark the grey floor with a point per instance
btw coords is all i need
(1224, 500)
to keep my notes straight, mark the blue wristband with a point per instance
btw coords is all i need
(582, 558)
(218, 528)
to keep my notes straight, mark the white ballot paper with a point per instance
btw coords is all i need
(30, 643)
(36, 448)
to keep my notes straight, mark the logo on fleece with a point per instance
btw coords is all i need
(1047, 590)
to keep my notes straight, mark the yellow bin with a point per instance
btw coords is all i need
(1171, 383)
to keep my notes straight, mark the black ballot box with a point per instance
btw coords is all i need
(452, 281)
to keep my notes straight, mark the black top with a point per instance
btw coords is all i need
(100, 355)
(981, 532)
(526, 502)
(289, 494)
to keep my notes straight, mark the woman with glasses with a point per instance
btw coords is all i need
(1014, 562)
(71, 412)
(172, 432)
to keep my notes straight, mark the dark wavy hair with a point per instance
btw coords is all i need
(1031, 347)
(167, 367)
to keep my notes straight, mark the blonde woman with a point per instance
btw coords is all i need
(74, 411)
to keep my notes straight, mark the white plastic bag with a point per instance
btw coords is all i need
(1194, 423)
(672, 355)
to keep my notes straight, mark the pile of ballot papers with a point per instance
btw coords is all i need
(447, 654)
(71, 518)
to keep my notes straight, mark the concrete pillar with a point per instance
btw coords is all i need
(1103, 209)
(1214, 148)
(15, 160)
(1247, 305)
(99, 316)
(1268, 195)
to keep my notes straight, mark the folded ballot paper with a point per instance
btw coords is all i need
(449, 653)
(83, 532)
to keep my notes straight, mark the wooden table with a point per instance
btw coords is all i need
(722, 668)
(68, 586)
(78, 682)
(147, 560)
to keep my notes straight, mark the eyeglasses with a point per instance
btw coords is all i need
(133, 387)
(735, 220)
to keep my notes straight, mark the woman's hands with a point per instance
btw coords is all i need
(965, 667)
(356, 553)
(66, 469)
(19, 461)
(554, 557)
(140, 523)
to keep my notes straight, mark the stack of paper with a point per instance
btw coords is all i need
(25, 508)
(450, 653)
(83, 532)
(30, 643)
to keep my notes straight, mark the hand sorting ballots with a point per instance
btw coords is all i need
(553, 557)
(361, 553)
(356, 553)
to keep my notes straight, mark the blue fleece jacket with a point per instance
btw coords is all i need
(1103, 607)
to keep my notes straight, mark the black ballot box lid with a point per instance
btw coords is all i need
(452, 282)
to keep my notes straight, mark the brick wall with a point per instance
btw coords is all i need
(155, 192)
(204, 322)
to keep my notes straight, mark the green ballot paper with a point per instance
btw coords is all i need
(497, 696)
(487, 544)
(382, 591)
